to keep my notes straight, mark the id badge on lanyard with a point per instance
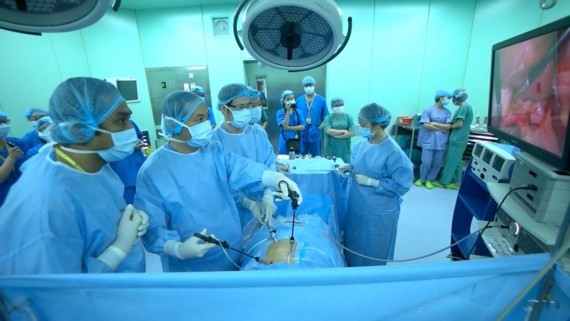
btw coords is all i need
(309, 106)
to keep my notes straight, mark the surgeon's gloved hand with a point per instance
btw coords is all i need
(283, 185)
(366, 181)
(144, 222)
(343, 169)
(282, 167)
(128, 230)
(254, 208)
(268, 207)
(127, 234)
(193, 247)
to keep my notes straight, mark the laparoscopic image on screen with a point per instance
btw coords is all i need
(531, 90)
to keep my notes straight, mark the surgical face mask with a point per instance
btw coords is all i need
(201, 134)
(45, 135)
(241, 117)
(445, 102)
(309, 90)
(124, 145)
(4, 130)
(338, 109)
(34, 124)
(290, 102)
(255, 114)
(365, 132)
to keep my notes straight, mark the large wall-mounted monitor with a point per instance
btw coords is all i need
(127, 87)
(529, 101)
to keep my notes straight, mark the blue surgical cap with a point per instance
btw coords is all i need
(79, 104)
(231, 92)
(375, 113)
(3, 116)
(442, 93)
(308, 80)
(460, 95)
(337, 101)
(178, 105)
(35, 112)
(44, 122)
(198, 90)
(286, 93)
(255, 94)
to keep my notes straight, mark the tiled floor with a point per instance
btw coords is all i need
(425, 224)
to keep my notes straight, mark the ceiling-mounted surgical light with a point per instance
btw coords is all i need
(295, 35)
(37, 16)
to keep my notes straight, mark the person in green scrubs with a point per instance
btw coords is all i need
(338, 128)
(459, 127)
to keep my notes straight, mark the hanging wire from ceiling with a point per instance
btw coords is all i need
(547, 4)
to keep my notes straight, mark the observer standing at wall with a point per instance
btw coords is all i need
(338, 129)
(460, 127)
(314, 107)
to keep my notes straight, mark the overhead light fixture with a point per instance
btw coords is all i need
(38, 16)
(294, 35)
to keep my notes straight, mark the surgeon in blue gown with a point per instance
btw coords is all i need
(66, 213)
(381, 175)
(238, 134)
(33, 115)
(200, 91)
(44, 126)
(186, 187)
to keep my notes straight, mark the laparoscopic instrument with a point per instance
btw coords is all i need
(226, 245)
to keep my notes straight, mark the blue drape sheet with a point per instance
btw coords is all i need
(467, 290)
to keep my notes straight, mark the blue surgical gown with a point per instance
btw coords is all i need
(59, 220)
(184, 193)
(316, 111)
(295, 118)
(32, 139)
(211, 116)
(372, 214)
(253, 143)
(35, 149)
(13, 176)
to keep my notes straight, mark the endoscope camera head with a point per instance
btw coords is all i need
(294, 196)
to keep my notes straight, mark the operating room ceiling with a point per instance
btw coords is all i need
(156, 4)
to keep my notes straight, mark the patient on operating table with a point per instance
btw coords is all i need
(313, 245)
(283, 251)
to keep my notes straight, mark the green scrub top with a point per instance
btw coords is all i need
(461, 135)
(264, 117)
(339, 147)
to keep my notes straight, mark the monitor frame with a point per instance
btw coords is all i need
(117, 82)
(562, 161)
